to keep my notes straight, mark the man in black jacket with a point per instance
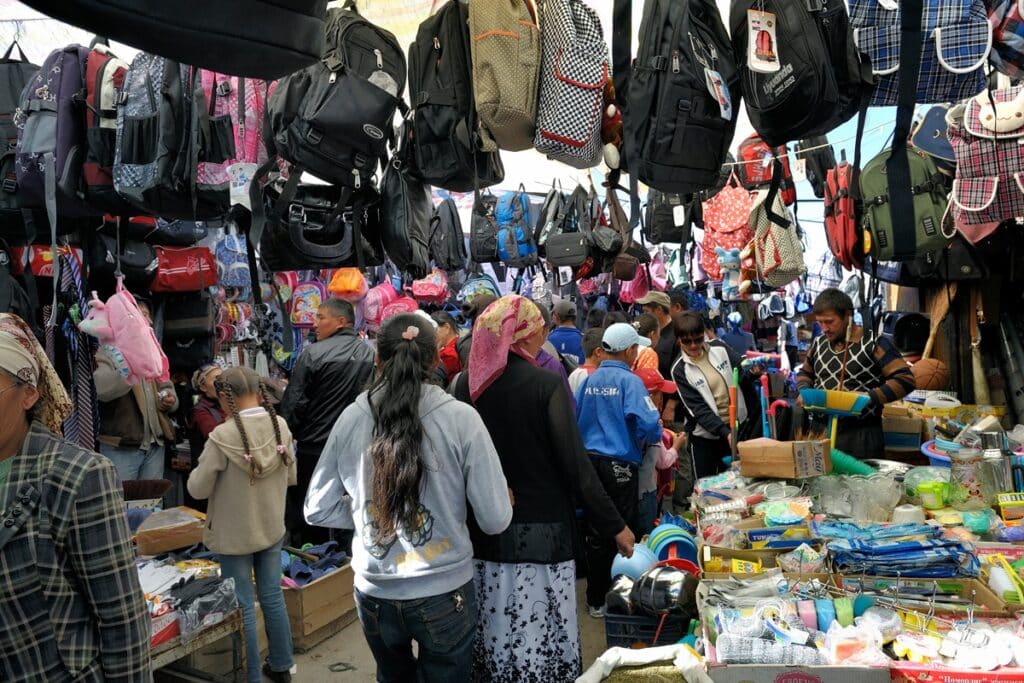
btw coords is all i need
(326, 379)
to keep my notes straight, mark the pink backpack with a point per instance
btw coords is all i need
(403, 304)
(726, 225)
(120, 325)
(374, 303)
(634, 289)
(306, 299)
(433, 289)
(244, 100)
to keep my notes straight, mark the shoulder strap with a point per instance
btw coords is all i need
(897, 165)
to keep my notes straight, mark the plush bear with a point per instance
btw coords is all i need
(729, 262)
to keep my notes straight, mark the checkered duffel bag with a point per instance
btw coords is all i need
(574, 69)
(956, 41)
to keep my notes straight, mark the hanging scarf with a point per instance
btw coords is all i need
(500, 329)
(23, 357)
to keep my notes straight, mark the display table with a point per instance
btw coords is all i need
(170, 653)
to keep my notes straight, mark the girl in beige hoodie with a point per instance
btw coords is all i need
(245, 471)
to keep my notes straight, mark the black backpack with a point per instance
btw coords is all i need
(447, 243)
(550, 217)
(334, 118)
(444, 130)
(667, 218)
(483, 229)
(818, 159)
(676, 137)
(824, 80)
(14, 75)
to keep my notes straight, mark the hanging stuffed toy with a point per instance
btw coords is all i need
(729, 263)
(611, 128)
(120, 327)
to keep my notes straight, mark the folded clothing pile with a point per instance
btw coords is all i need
(298, 571)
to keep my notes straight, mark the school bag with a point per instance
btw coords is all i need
(483, 229)
(892, 238)
(842, 224)
(335, 117)
(14, 75)
(475, 285)
(778, 252)
(550, 216)
(444, 132)
(571, 246)
(119, 325)
(516, 247)
(677, 132)
(241, 102)
(817, 157)
(231, 253)
(955, 43)
(989, 162)
(376, 300)
(432, 289)
(668, 217)
(104, 80)
(306, 299)
(348, 284)
(755, 166)
(447, 243)
(726, 224)
(799, 66)
(405, 217)
(505, 51)
(575, 67)
(402, 304)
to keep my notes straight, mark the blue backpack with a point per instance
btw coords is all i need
(478, 284)
(516, 247)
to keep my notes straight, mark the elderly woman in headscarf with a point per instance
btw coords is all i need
(70, 603)
(526, 576)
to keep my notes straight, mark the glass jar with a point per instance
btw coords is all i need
(965, 490)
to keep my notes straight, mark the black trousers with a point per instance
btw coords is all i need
(620, 482)
(707, 455)
(299, 532)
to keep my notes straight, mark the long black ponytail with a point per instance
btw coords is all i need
(407, 353)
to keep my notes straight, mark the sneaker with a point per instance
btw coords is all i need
(277, 676)
(596, 612)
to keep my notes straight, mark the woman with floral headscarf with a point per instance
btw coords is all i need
(526, 576)
(70, 603)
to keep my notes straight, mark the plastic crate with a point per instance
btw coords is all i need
(623, 630)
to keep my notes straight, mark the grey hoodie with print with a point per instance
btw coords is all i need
(460, 465)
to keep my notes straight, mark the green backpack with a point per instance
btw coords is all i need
(930, 202)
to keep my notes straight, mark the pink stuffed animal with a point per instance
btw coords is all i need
(120, 324)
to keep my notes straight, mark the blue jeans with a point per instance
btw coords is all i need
(136, 463)
(648, 510)
(267, 566)
(444, 626)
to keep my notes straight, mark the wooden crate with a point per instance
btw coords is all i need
(321, 608)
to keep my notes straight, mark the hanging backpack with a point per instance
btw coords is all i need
(668, 217)
(402, 304)
(242, 103)
(306, 299)
(447, 243)
(678, 128)
(475, 285)
(842, 225)
(483, 229)
(405, 216)
(778, 252)
(335, 118)
(755, 166)
(811, 81)
(817, 157)
(432, 289)
(989, 161)
(51, 141)
(374, 303)
(571, 245)
(1007, 20)
(104, 81)
(506, 62)
(447, 150)
(119, 324)
(13, 298)
(184, 269)
(903, 238)
(348, 284)
(575, 67)
(232, 258)
(726, 225)
(137, 261)
(14, 75)
(550, 216)
(516, 247)
(955, 43)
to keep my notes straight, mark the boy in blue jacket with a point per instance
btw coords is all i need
(617, 419)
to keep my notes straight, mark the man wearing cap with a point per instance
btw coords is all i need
(566, 338)
(660, 306)
(617, 420)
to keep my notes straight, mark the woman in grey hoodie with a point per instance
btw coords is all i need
(399, 467)
(245, 470)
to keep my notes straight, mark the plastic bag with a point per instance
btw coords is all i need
(207, 610)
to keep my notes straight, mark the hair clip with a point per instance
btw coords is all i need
(280, 449)
(411, 333)
(248, 457)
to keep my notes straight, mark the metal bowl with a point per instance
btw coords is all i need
(890, 466)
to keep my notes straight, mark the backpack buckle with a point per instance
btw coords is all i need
(9, 184)
(223, 88)
(296, 213)
(314, 136)
(659, 63)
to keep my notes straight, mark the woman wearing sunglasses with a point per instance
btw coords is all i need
(703, 374)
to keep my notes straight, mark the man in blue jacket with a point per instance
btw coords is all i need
(617, 420)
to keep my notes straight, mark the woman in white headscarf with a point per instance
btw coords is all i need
(64, 528)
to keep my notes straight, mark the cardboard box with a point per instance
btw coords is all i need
(987, 603)
(321, 608)
(902, 431)
(171, 529)
(768, 458)
(908, 672)
(776, 673)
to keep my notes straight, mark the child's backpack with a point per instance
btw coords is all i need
(348, 284)
(447, 243)
(433, 289)
(516, 248)
(447, 151)
(989, 161)
(51, 141)
(955, 43)
(401, 304)
(808, 77)
(376, 300)
(232, 259)
(306, 299)
(726, 224)
(506, 62)
(119, 324)
(241, 103)
(575, 67)
(904, 238)
(755, 167)
(104, 81)
(335, 118)
(678, 128)
(475, 285)
(842, 224)
(14, 75)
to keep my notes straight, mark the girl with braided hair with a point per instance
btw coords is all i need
(245, 471)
